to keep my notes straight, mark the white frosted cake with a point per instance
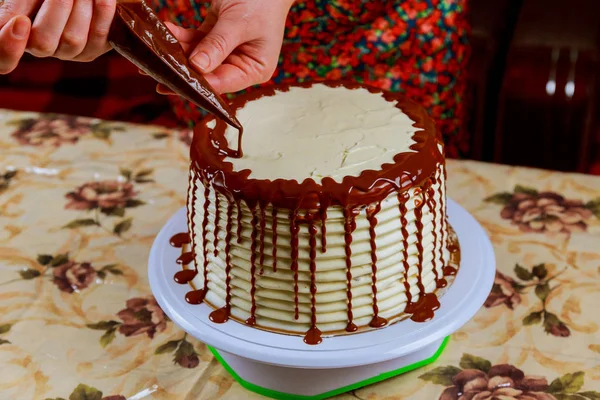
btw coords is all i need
(332, 221)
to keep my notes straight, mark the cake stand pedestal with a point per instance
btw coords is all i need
(284, 367)
(300, 383)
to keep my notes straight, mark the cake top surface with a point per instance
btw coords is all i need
(319, 132)
(362, 145)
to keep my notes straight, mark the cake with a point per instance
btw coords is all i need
(331, 221)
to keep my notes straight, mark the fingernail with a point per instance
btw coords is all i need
(20, 28)
(201, 61)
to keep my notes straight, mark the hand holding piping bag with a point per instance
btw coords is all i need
(238, 43)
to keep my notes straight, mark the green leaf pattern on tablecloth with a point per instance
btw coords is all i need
(68, 275)
(509, 291)
(85, 392)
(108, 198)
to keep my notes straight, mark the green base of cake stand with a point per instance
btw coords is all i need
(273, 378)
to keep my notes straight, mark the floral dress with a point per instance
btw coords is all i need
(416, 47)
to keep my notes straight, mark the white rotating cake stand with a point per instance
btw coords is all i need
(284, 367)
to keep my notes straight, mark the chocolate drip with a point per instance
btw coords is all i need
(444, 221)
(439, 184)
(349, 227)
(217, 228)
(419, 224)
(323, 214)
(180, 239)
(424, 309)
(194, 186)
(185, 276)
(372, 211)
(313, 336)
(294, 230)
(222, 314)
(195, 296)
(442, 283)
(402, 199)
(449, 271)
(204, 236)
(252, 320)
(431, 204)
(239, 221)
(185, 258)
(262, 238)
(274, 238)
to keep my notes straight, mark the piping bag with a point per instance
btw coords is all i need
(139, 36)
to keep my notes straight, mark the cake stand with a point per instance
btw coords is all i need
(284, 367)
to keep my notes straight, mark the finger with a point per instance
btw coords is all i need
(229, 78)
(142, 72)
(209, 22)
(75, 36)
(184, 35)
(188, 38)
(103, 14)
(13, 40)
(12, 8)
(48, 27)
(222, 39)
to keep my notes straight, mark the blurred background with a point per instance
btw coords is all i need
(534, 87)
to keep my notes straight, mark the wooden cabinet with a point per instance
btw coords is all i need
(546, 111)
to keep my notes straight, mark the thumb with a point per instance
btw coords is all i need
(13, 39)
(218, 44)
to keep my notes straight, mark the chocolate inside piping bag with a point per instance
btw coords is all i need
(138, 35)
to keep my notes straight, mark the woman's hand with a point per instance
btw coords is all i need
(67, 29)
(13, 40)
(238, 44)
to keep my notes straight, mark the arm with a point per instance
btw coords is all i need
(236, 46)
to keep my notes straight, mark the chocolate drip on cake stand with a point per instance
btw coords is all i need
(349, 228)
(402, 200)
(180, 239)
(372, 210)
(313, 336)
(294, 229)
(274, 238)
(252, 320)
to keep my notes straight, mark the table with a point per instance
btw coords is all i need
(81, 201)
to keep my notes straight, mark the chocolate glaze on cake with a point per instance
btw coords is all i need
(308, 202)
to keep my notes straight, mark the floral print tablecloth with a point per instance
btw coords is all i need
(81, 201)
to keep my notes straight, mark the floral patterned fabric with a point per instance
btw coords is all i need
(417, 47)
(82, 200)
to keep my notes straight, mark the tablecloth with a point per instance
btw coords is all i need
(81, 201)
